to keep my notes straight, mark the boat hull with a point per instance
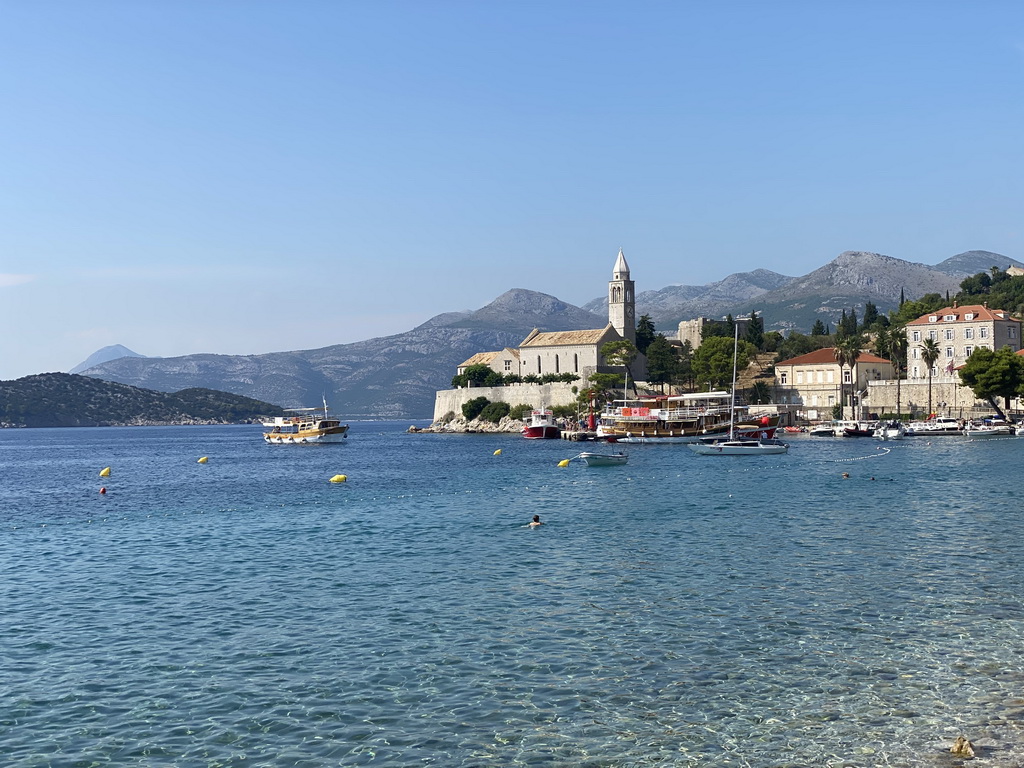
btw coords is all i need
(545, 432)
(987, 432)
(332, 435)
(738, 448)
(604, 459)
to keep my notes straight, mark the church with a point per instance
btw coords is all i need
(576, 352)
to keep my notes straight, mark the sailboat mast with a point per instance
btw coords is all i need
(735, 354)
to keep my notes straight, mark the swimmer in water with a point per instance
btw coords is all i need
(536, 521)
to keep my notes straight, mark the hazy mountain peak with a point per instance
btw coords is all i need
(972, 262)
(105, 355)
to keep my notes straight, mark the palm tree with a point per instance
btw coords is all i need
(929, 354)
(847, 350)
(898, 356)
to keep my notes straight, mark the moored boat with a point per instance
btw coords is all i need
(981, 430)
(682, 419)
(541, 425)
(890, 430)
(940, 425)
(309, 425)
(594, 459)
(860, 429)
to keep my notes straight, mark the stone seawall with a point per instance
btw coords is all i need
(535, 395)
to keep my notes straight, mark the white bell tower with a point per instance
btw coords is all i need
(622, 300)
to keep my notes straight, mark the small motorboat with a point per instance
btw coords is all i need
(891, 430)
(594, 459)
(541, 425)
(738, 447)
(980, 431)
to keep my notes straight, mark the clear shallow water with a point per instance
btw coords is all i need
(680, 610)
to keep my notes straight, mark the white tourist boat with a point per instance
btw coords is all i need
(595, 459)
(735, 445)
(541, 425)
(306, 425)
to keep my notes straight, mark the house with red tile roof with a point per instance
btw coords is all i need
(817, 382)
(958, 330)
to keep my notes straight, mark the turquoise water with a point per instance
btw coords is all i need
(680, 610)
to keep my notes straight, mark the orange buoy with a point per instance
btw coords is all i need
(103, 490)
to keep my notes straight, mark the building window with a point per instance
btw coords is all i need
(847, 377)
(916, 352)
(950, 318)
(949, 352)
(557, 369)
(508, 365)
(968, 350)
(538, 363)
(969, 316)
(576, 363)
(799, 377)
(968, 333)
(935, 370)
(818, 376)
(950, 334)
(831, 377)
(933, 318)
(933, 335)
(831, 400)
(916, 372)
(917, 335)
(783, 378)
(983, 333)
(1011, 332)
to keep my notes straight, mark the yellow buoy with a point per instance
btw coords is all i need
(204, 459)
(339, 478)
(564, 463)
(105, 472)
(498, 452)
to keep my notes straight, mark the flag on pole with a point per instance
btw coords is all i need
(949, 368)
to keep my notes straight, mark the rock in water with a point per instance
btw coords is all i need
(962, 747)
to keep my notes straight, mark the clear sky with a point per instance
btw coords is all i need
(243, 177)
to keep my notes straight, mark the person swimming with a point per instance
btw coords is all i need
(536, 521)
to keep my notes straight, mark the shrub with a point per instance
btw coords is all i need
(473, 408)
(520, 411)
(564, 411)
(495, 412)
(448, 417)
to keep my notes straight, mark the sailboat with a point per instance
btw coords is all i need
(734, 446)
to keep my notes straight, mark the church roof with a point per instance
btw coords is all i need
(486, 358)
(565, 338)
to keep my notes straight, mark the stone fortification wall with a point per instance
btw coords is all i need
(949, 397)
(537, 395)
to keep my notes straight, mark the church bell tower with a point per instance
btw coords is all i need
(622, 300)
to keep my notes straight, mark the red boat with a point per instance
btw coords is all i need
(541, 426)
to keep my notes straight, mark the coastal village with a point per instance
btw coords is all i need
(823, 385)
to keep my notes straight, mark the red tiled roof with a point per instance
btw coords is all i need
(828, 355)
(979, 311)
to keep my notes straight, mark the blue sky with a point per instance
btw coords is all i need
(246, 177)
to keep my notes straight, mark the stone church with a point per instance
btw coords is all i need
(577, 352)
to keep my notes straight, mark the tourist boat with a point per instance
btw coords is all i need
(603, 459)
(891, 430)
(940, 425)
(682, 419)
(735, 445)
(541, 425)
(309, 425)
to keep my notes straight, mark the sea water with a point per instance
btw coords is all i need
(679, 610)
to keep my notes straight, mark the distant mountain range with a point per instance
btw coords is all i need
(396, 376)
(113, 352)
(69, 400)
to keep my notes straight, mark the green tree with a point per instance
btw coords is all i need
(994, 374)
(896, 347)
(645, 333)
(760, 392)
(755, 331)
(870, 315)
(818, 329)
(662, 362)
(847, 352)
(622, 353)
(929, 354)
(712, 361)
